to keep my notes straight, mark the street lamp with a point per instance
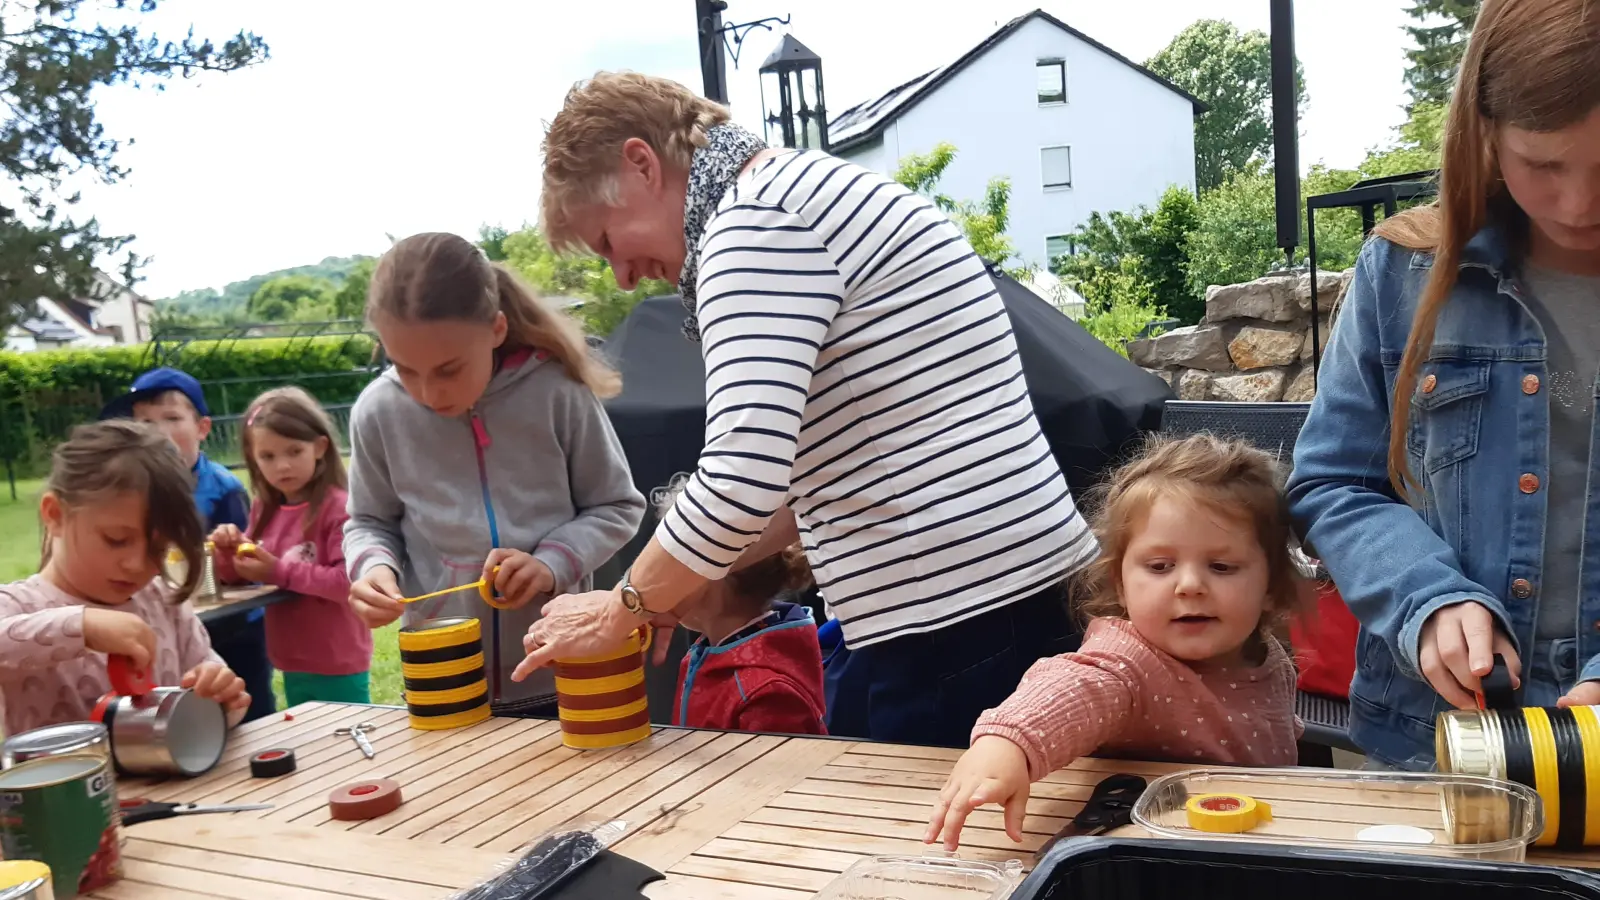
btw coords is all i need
(793, 74)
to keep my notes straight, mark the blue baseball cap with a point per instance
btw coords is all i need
(151, 385)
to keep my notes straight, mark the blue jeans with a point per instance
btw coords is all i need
(241, 640)
(929, 689)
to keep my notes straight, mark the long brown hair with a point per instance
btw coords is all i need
(1229, 477)
(434, 276)
(1533, 64)
(104, 459)
(292, 413)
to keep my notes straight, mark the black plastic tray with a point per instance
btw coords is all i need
(1132, 869)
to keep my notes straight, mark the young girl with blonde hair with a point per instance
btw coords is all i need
(1445, 474)
(483, 452)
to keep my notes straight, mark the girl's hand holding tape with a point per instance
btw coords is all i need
(521, 578)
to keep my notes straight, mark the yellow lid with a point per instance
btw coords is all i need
(15, 872)
(1226, 813)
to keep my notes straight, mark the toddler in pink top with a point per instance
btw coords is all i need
(117, 499)
(1179, 661)
(296, 541)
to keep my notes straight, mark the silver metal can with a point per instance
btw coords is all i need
(76, 738)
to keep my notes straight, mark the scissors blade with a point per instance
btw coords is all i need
(1110, 806)
(244, 807)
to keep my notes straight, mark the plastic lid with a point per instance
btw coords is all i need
(930, 877)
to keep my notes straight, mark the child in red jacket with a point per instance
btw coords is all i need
(757, 665)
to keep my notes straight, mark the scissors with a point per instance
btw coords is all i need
(1110, 806)
(141, 810)
(358, 733)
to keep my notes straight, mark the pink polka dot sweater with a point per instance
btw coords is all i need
(1122, 697)
(48, 676)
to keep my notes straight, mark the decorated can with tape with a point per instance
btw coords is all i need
(601, 699)
(62, 811)
(1554, 751)
(442, 664)
(25, 879)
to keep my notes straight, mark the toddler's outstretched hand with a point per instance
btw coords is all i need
(993, 771)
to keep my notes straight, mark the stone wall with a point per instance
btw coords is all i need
(1253, 345)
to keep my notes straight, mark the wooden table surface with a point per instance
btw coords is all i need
(727, 816)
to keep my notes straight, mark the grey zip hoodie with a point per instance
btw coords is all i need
(535, 466)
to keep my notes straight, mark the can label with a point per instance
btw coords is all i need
(62, 811)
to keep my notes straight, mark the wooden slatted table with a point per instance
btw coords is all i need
(727, 816)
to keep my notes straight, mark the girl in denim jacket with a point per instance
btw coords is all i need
(1444, 475)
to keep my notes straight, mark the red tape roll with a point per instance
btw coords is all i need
(126, 678)
(365, 799)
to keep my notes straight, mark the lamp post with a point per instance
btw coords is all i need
(792, 96)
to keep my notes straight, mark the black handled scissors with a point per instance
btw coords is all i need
(136, 811)
(1110, 806)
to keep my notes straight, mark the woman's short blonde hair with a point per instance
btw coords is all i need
(583, 144)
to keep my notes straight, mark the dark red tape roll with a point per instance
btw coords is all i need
(365, 799)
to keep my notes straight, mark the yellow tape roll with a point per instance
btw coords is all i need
(605, 715)
(1226, 813)
(456, 720)
(453, 695)
(586, 687)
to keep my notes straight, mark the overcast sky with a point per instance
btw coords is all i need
(377, 118)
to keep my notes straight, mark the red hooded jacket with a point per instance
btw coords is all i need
(767, 677)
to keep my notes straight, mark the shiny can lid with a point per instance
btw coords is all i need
(55, 740)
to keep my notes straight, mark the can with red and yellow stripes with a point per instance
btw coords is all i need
(601, 699)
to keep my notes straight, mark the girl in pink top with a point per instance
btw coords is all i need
(117, 499)
(296, 541)
(1179, 661)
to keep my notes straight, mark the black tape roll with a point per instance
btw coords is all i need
(272, 763)
(1518, 747)
(447, 709)
(1574, 789)
(445, 682)
(442, 654)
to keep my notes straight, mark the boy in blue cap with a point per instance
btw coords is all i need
(172, 400)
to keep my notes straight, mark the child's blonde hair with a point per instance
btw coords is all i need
(104, 459)
(756, 586)
(434, 277)
(1533, 64)
(1228, 477)
(292, 413)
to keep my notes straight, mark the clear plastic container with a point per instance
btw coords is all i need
(931, 877)
(1459, 816)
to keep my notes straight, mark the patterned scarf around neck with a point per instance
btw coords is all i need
(714, 169)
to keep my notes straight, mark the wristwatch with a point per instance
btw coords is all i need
(632, 600)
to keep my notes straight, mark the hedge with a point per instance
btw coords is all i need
(44, 394)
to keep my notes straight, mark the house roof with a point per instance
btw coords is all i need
(865, 121)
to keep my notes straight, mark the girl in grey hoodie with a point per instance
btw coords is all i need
(483, 452)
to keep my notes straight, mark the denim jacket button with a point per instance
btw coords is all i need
(1529, 482)
(1530, 384)
(1428, 384)
(1522, 589)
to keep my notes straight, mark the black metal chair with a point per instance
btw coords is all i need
(1272, 427)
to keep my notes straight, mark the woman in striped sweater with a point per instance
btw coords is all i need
(863, 394)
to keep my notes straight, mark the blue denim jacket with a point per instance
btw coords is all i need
(1475, 434)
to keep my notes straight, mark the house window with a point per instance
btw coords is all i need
(1056, 163)
(1052, 81)
(1059, 245)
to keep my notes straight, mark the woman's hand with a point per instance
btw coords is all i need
(227, 538)
(521, 578)
(1457, 649)
(215, 681)
(376, 597)
(257, 565)
(122, 633)
(576, 625)
(993, 771)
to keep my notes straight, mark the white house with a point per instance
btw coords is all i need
(113, 315)
(1076, 126)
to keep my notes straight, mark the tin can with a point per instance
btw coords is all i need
(70, 738)
(62, 811)
(25, 879)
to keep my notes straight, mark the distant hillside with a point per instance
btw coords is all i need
(233, 297)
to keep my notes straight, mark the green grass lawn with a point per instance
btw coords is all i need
(19, 558)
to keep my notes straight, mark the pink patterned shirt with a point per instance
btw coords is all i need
(48, 676)
(1123, 697)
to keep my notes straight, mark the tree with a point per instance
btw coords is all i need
(298, 297)
(51, 65)
(1441, 36)
(584, 278)
(1136, 255)
(984, 223)
(350, 301)
(1231, 72)
(1418, 145)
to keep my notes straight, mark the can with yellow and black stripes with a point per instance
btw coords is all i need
(1554, 751)
(441, 661)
